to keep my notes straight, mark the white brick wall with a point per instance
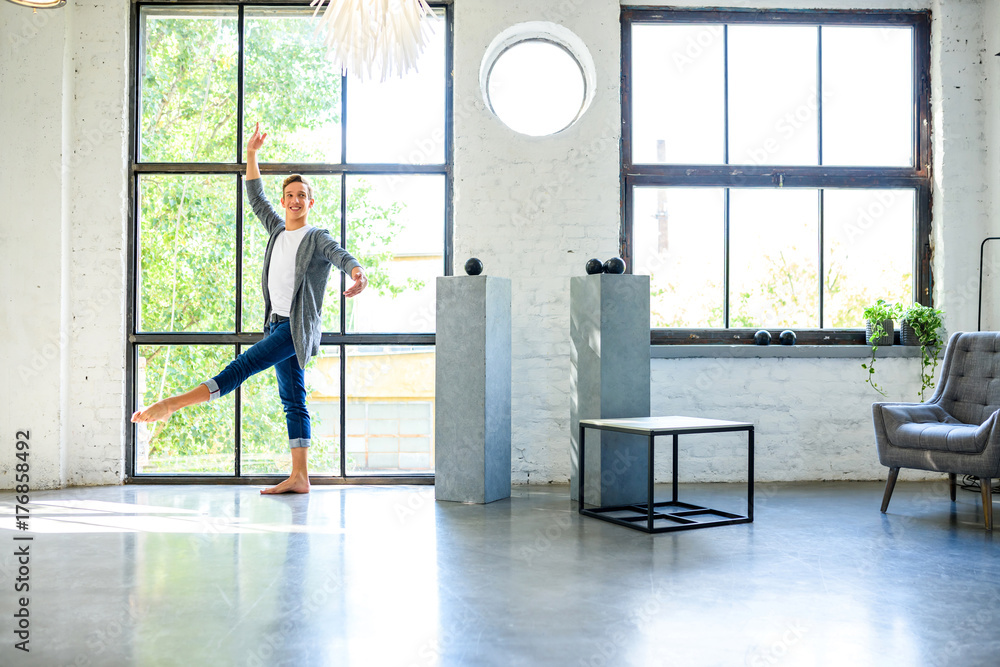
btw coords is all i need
(991, 169)
(533, 209)
(31, 109)
(960, 194)
(63, 75)
(95, 429)
(812, 416)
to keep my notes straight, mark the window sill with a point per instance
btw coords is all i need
(780, 351)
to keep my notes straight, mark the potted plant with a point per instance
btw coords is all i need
(878, 331)
(922, 325)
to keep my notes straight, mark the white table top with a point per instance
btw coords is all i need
(674, 423)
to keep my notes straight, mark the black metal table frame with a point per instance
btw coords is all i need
(649, 510)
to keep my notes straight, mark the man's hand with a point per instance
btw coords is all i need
(256, 140)
(254, 143)
(360, 282)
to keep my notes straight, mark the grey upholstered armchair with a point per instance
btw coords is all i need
(956, 431)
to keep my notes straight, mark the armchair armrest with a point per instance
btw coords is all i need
(913, 413)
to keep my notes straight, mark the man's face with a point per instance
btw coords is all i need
(296, 201)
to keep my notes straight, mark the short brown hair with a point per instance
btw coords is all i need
(297, 178)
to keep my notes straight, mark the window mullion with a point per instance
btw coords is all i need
(819, 95)
(725, 263)
(822, 268)
(343, 410)
(725, 96)
(240, 64)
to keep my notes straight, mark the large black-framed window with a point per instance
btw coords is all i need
(775, 168)
(380, 157)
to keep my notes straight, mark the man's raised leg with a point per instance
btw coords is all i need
(298, 481)
(161, 410)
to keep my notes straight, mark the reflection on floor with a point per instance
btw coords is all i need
(373, 576)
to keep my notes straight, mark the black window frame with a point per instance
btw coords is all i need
(917, 177)
(240, 338)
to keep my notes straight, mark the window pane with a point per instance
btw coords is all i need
(199, 439)
(678, 240)
(390, 410)
(678, 90)
(290, 87)
(325, 214)
(536, 88)
(773, 95)
(868, 96)
(265, 435)
(402, 119)
(187, 253)
(869, 252)
(188, 64)
(774, 277)
(395, 228)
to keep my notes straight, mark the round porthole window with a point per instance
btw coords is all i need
(537, 78)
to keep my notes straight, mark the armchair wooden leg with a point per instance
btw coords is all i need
(951, 485)
(986, 484)
(889, 484)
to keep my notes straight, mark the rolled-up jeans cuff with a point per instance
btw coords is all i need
(298, 442)
(213, 388)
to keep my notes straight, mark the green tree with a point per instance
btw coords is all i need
(787, 295)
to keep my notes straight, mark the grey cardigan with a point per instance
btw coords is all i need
(317, 252)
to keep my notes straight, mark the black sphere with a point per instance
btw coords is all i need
(614, 265)
(787, 337)
(474, 267)
(594, 266)
(762, 337)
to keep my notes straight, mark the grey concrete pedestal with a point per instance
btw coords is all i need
(472, 389)
(609, 328)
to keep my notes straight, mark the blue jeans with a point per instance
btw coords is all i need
(275, 350)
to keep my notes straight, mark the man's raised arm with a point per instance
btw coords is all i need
(253, 145)
(255, 190)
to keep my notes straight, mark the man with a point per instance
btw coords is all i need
(297, 265)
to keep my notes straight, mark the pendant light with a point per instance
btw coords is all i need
(370, 38)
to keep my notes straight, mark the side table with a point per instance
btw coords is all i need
(677, 515)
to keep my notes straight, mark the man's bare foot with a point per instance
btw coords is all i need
(294, 484)
(157, 412)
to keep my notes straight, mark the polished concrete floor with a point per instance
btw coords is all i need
(372, 576)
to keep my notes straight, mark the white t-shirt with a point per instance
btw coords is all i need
(281, 272)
